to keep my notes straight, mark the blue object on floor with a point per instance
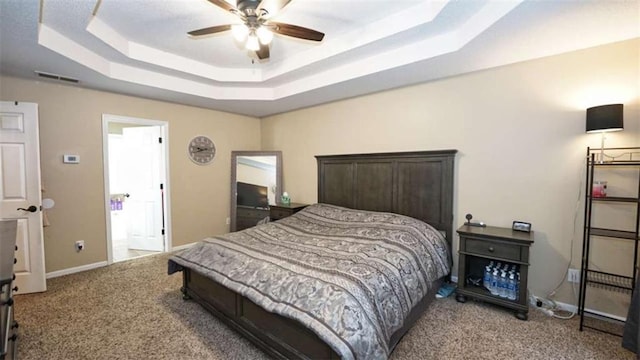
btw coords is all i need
(445, 290)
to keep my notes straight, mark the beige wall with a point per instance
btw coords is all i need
(71, 123)
(519, 131)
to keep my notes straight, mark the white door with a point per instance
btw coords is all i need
(20, 189)
(142, 178)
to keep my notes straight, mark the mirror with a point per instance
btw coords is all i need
(256, 183)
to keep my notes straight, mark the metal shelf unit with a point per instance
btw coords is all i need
(601, 279)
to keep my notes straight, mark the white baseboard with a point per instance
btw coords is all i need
(182, 247)
(55, 274)
(567, 307)
(77, 269)
(573, 308)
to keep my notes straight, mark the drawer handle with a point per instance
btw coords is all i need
(491, 249)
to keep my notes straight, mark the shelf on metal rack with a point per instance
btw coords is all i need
(617, 163)
(615, 199)
(616, 157)
(609, 280)
(606, 324)
(613, 233)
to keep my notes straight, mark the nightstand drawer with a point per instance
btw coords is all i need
(247, 217)
(245, 223)
(277, 214)
(281, 211)
(493, 249)
(252, 213)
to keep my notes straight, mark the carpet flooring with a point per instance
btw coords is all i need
(134, 310)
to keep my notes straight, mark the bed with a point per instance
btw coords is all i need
(309, 313)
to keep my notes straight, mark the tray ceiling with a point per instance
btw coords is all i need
(141, 47)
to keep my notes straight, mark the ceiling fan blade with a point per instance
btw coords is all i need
(263, 53)
(210, 30)
(272, 6)
(223, 4)
(295, 31)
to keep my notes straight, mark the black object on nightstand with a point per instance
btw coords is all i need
(281, 211)
(481, 245)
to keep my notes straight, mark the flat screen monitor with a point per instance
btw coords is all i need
(252, 195)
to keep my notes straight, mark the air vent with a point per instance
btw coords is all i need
(57, 77)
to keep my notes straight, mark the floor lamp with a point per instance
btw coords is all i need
(602, 119)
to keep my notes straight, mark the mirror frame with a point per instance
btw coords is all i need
(234, 184)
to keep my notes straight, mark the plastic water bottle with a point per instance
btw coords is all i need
(494, 282)
(486, 279)
(511, 287)
(502, 284)
(518, 286)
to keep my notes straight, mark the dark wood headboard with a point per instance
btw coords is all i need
(417, 184)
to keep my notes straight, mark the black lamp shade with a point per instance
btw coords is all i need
(604, 118)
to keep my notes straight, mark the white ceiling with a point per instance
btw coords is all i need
(141, 47)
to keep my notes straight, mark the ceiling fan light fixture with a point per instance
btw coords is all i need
(252, 42)
(264, 35)
(254, 30)
(240, 32)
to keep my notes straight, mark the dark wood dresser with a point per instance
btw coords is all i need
(281, 211)
(8, 326)
(247, 217)
(482, 246)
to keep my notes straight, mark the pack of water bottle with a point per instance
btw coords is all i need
(502, 280)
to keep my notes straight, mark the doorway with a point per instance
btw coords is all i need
(136, 188)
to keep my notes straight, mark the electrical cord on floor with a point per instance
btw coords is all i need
(571, 314)
(551, 308)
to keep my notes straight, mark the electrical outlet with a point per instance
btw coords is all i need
(79, 245)
(228, 221)
(573, 275)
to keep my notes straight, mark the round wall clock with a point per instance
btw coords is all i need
(202, 150)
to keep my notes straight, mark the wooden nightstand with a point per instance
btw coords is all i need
(281, 211)
(481, 245)
(247, 217)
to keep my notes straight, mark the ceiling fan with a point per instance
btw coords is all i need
(256, 30)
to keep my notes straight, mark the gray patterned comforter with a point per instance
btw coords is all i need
(350, 276)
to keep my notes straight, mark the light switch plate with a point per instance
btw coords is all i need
(71, 159)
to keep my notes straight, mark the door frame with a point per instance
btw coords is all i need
(106, 120)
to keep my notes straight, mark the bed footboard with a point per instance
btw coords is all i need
(280, 337)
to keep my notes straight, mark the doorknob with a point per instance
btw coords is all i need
(31, 208)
